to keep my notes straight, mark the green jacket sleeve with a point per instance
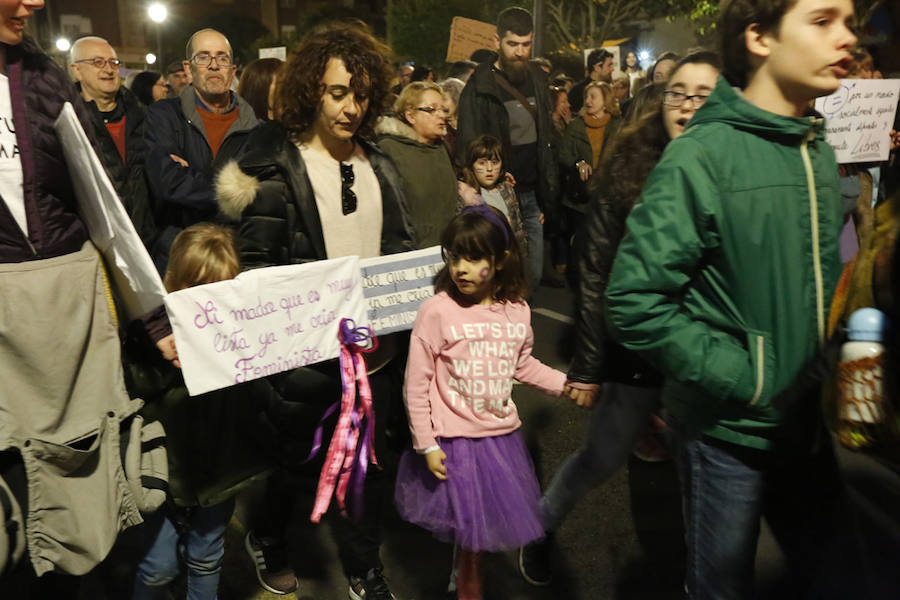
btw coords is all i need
(670, 233)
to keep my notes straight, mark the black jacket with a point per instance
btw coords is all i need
(268, 191)
(183, 196)
(481, 111)
(38, 90)
(128, 177)
(598, 358)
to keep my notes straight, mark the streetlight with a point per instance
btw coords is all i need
(150, 58)
(158, 13)
(63, 45)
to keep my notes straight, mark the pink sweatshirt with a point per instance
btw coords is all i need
(462, 362)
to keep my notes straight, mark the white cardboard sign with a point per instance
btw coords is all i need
(263, 321)
(395, 285)
(859, 117)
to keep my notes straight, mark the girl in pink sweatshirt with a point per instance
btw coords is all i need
(470, 480)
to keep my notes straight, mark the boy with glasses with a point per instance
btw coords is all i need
(723, 282)
(190, 137)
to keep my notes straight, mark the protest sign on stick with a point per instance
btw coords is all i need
(859, 117)
(395, 285)
(263, 321)
(469, 35)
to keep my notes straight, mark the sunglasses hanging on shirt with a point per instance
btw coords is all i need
(348, 197)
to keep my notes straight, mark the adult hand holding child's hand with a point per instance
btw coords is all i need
(435, 460)
(584, 394)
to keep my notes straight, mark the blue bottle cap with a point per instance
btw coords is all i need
(866, 325)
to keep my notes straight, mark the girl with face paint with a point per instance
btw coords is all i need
(469, 479)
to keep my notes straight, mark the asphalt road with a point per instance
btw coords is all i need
(623, 541)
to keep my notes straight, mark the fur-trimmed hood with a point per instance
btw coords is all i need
(235, 190)
(394, 127)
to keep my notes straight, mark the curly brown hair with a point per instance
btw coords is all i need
(299, 90)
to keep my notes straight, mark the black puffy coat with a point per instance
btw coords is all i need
(268, 193)
(598, 357)
(129, 176)
(38, 90)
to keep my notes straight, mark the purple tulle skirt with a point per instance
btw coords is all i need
(489, 501)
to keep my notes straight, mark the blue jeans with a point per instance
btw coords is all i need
(534, 234)
(725, 491)
(202, 545)
(617, 420)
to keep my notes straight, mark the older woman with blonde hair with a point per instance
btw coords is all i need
(413, 139)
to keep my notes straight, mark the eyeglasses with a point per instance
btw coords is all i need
(672, 98)
(348, 198)
(205, 59)
(100, 63)
(432, 109)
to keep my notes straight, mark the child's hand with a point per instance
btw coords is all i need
(169, 351)
(435, 460)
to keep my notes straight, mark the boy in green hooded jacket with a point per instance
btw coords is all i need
(724, 281)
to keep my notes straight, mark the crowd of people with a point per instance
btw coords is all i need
(694, 207)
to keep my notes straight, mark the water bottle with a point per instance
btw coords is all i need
(861, 405)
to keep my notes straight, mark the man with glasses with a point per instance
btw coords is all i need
(509, 99)
(118, 120)
(191, 136)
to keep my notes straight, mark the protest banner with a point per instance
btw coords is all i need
(263, 321)
(469, 35)
(279, 52)
(134, 277)
(394, 286)
(859, 117)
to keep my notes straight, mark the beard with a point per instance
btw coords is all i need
(516, 69)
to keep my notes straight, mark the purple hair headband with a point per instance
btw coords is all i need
(485, 211)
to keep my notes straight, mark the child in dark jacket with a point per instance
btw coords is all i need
(211, 455)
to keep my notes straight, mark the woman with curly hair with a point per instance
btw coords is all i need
(309, 186)
(630, 385)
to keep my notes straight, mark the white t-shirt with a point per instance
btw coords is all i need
(10, 161)
(357, 233)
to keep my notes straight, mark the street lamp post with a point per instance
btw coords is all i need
(158, 13)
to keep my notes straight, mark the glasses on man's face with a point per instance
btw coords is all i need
(433, 109)
(205, 59)
(348, 198)
(100, 62)
(673, 98)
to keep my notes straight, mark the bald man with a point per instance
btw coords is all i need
(118, 120)
(190, 137)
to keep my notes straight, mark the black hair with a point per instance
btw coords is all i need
(735, 16)
(142, 86)
(516, 20)
(474, 236)
(669, 55)
(483, 55)
(461, 68)
(597, 57)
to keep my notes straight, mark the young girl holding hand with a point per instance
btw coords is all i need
(470, 480)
